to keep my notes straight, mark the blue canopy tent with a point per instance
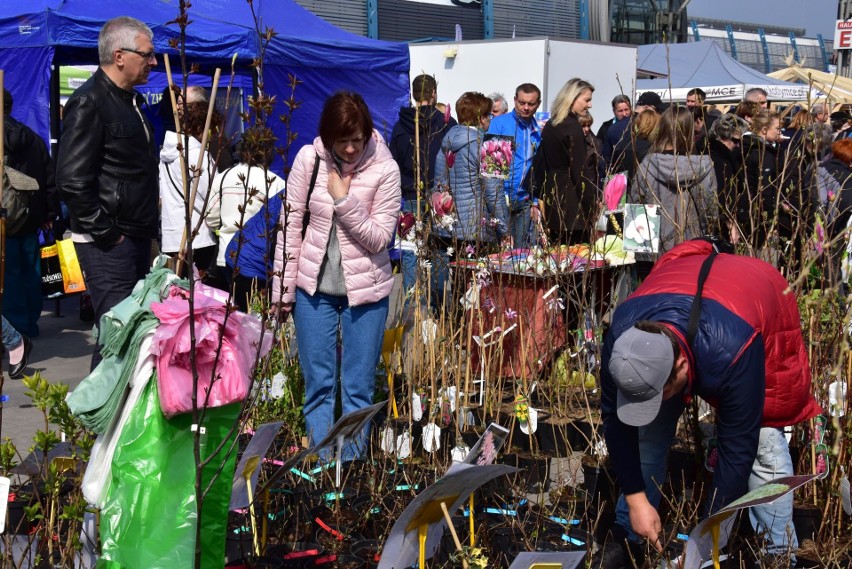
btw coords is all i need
(38, 34)
(683, 66)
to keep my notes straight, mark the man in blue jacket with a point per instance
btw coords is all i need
(521, 124)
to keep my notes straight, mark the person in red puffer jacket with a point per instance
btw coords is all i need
(747, 358)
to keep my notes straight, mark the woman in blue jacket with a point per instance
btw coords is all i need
(478, 219)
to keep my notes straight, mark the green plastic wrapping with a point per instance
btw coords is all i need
(149, 516)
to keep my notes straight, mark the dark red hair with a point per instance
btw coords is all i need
(344, 114)
(842, 150)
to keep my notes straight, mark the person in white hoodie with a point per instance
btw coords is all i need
(174, 198)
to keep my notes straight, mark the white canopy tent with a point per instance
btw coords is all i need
(684, 66)
(834, 88)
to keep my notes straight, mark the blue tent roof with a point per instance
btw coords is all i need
(323, 57)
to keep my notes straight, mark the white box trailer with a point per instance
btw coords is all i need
(490, 66)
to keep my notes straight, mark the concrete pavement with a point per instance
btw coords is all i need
(62, 353)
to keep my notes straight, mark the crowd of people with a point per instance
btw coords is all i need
(322, 249)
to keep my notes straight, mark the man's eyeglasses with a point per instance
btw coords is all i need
(146, 55)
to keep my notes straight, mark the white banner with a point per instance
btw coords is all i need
(721, 93)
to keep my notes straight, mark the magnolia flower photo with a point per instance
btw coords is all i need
(496, 156)
(639, 230)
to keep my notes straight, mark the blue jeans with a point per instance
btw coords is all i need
(111, 273)
(317, 319)
(11, 337)
(22, 301)
(409, 259)
(772, 461)
(519, 223)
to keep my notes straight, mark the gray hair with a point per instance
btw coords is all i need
(754, 91)
(726, 126)
(817, 137)
(120, 33)
(817, 109)
(499, 98)
(196, 94)
(618, 99)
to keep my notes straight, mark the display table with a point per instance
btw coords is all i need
(523, 320)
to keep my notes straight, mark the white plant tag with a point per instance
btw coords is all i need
(276, 390)
(429, 331)
(431, 437)
(451, 395)
(387, 440)
(844, 496)
(837, 398)
(4, 501)
(459, 452)
(416, 407)
(403, 445)
(531, 425)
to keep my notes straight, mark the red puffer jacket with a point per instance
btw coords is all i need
(757, 293)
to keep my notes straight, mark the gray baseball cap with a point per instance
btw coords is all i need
(640, 364)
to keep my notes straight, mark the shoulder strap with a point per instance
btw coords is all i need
(180, 193)
(695, 309)
(306, 219)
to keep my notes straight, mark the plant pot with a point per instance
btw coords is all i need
(340, 562)
(682, 470)
(535, 469)
(296, 555)
(564, 439)
(368, 550)
(807, 521)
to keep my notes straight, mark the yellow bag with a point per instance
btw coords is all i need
(72, 276)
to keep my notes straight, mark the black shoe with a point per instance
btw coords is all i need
(16, 371)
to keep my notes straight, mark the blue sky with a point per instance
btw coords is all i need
(816, 16)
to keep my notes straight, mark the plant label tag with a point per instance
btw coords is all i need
(459, 452)
(844, 495)
(276, 389)
(387, 440)
(531, 424)
(416, 407)
(429, 331)
(451, 395)
(431, 437)
(837, 398)
(4, 501)
(403, 445)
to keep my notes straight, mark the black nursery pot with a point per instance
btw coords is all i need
(368, 551)
(807, 521)
(296, 555)
(564, 440)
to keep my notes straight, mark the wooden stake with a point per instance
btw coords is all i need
(453, 531)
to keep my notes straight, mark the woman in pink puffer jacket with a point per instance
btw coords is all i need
(332, 268)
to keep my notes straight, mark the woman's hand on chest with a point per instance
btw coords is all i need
(338, 186)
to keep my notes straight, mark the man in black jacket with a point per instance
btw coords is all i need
(107, 167)
(432, 126)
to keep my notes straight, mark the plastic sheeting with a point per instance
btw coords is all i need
(149, 517)
(241, 340)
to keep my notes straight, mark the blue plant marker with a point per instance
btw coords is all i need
(304, 475)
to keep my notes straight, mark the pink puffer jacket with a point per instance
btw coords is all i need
(366, 219)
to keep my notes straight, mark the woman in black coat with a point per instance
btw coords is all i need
(759, 191)
(724, 139)
(563, 176)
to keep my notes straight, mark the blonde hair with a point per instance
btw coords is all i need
(646, 123)
(566, 98)
(762, 120)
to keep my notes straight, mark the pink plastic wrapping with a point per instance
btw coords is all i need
(240, 339)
